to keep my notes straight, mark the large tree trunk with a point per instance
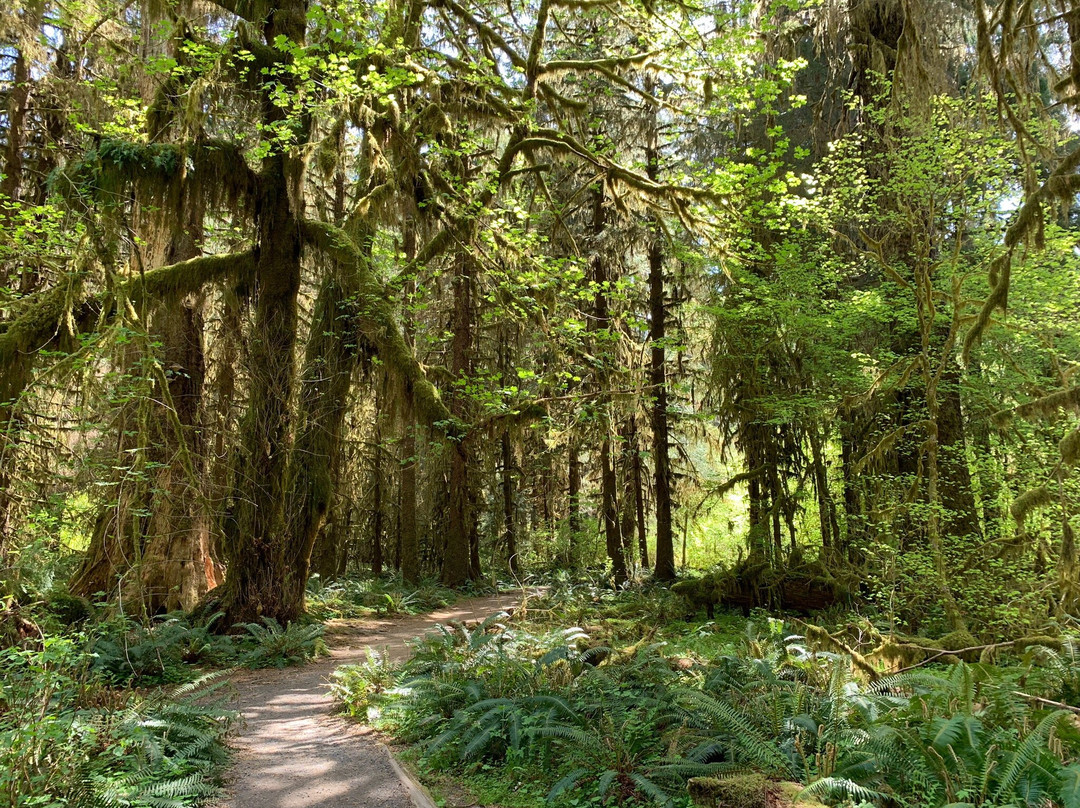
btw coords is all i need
(177, 567)
(266, 575)
(16, 375)
(961, 518)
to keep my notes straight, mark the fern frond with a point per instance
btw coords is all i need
(566, 783)
(1027, 753)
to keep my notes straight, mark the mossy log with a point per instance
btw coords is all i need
(747, 791)
(754, 583)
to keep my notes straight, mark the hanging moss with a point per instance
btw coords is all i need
(1070, 448)
(376, 322)
(1027, 502)
(42, 318)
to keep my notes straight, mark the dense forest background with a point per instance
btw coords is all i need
(463, 289)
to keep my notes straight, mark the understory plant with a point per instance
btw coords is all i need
(633, 725)
(69, 737)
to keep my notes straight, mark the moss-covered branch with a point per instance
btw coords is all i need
(377, 323)
(43, 316)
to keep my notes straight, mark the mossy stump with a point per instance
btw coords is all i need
(747, 791)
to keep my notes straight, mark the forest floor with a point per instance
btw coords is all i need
(294, 749)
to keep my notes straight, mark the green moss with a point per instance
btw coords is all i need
(67, 608)
(788, 794)
(742, 791)
(377, 324)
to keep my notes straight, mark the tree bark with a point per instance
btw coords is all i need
(665, 547)
(573, 507)
(265, 578)
(457, 556)
(408, 539)
(509, 527)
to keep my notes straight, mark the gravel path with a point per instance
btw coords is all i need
(293, 751)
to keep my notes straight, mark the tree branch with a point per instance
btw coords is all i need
(40, 319)
(378, 326)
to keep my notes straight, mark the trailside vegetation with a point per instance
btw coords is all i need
(324, 308)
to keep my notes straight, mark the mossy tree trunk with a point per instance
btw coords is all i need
(457, 566)
(601, 325)
(573, 505)
(264, 578)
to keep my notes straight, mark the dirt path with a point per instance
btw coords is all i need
(293, 751)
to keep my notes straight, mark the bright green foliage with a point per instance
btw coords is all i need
(69, 738)
(363, 596)
(276, 646)
(633, 725)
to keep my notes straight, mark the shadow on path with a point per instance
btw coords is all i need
(294, 751)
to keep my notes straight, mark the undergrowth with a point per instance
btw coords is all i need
(364, 596)
(599, 711)
(110, 711)
(68, 737)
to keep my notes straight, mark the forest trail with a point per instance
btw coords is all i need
(294, 750)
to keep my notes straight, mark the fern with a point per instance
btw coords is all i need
(1026, 754)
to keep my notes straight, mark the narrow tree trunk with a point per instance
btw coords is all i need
(377, 508)
(827, 518)
(573, 517)
(639, 509)
(610, 510)
(408, 539)
(509, 528)
(457, 556)
(630, 496)
(665, 549)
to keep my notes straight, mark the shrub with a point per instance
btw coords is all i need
(67, 737)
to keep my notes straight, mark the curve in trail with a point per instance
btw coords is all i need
(294, 751)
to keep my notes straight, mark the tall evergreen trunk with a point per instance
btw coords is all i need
(665, 548)
(609, 487)
(16, 373)
(961, 517)
(573, 506)
(458, 563)
(18, 107)
(408, 539)
(509, 527)
(639, 508)
(827, 516)
(610, 510)
(628, 446)
(378, 506)
(267, 572)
